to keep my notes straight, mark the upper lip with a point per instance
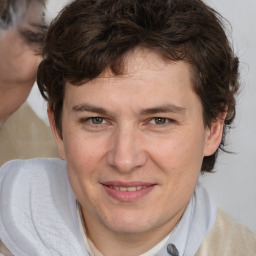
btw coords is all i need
(127, 184)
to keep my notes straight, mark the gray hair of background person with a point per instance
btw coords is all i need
(14, 12)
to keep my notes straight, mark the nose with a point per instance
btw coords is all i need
(127, 152)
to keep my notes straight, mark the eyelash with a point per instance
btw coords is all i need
(33, 37)
(166, 122)
(92, 121)
(161, 119)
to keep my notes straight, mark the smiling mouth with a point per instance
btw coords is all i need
(127, 192)
(129, 189)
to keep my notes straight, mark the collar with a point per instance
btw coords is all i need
(38, 213)
(93, 251)
(185, 238)
(38, 209)
(195, 223)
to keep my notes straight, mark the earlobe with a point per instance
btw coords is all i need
(56, 134)
(214, 135)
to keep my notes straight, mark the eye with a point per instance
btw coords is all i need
(159, 120)
(97, 120)
(33, 37)
(95, 123)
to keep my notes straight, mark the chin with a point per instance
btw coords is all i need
(130, 223)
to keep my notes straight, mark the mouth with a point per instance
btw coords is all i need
(129, 189)
(128, 192)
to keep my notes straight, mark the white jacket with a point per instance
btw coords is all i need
(38, 217)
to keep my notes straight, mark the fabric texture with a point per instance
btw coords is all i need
(38, 209)
(38, 216)
(24, 135)
(4, 251)
(195, 223)
(228, 238)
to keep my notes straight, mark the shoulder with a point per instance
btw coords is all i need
(34, 195)
(227, 237)
(22, 175)
(4, 251)
(24, 135)
(31, 166)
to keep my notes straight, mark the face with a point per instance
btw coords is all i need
(134, 145)
(19, 61)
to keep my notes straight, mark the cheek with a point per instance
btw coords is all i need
(83, 153)
(82, 164)
(180, 153)
(27, 65)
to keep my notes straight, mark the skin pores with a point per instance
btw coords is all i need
(134, 146)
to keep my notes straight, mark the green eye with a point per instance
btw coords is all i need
(97, 120)
(160, 120)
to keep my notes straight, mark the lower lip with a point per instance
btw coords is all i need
(128, 196)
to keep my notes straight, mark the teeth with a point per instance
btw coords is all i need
(130, 189)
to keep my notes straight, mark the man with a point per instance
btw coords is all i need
(140, 94)
(22, 29)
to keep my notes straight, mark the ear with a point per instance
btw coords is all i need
(214, 135)
(57, 134)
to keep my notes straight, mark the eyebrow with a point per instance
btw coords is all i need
(34, 34)
(90, 108)
(40, 26)
(169, 108)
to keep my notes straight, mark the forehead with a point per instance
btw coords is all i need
(30, 14)
(24, 11)
(31, 25)
(146, 79)
(34, 12)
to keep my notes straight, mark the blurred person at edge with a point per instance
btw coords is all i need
(140, 94)
(22, 28)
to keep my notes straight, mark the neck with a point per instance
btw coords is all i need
(111, 243)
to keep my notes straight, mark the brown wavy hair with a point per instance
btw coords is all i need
(91, 36)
